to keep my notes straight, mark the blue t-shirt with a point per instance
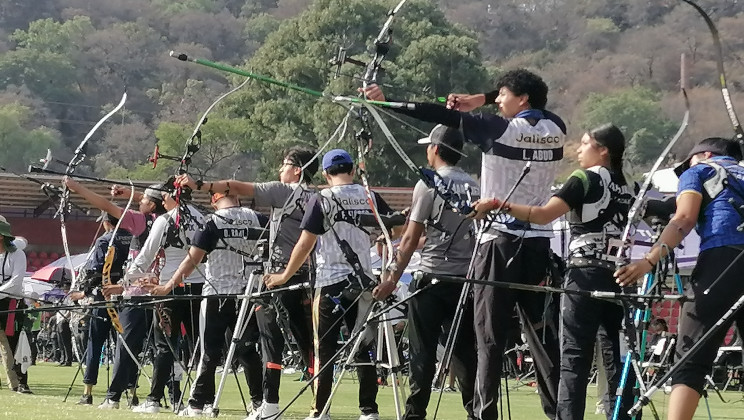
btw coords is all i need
(718, 220)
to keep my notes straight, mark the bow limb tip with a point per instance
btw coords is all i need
(179, 56)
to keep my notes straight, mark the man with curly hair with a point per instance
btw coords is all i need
(509, 250)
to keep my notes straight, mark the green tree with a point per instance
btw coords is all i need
(430, 57)
(637, 112)
(20, 141)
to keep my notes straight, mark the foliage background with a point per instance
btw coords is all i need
(63, 63)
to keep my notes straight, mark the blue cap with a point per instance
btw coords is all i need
(336, 157)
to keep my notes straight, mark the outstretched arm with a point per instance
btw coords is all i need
(242, 188)
(540, 215)
(98, 201)
(688, 209)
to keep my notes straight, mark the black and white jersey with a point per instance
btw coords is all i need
(335, 209)
(599, 200)
(507, 144)
(449, 236)
(227, 238)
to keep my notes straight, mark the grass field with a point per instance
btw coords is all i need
(50, 384)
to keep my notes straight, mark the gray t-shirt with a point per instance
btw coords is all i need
(449, 235)
(287, 202)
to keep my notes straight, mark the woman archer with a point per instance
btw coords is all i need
(595, 200)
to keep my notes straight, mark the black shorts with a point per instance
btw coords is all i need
(699, 316)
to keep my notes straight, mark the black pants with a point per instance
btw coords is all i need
(18, 320)
(298, 305)
(64, 341)
(330, 304)
(218, 316)
(428, 313)
(134, 323)
(162, 367)
(581, 318)
(698, 316)
(100, 329)
(272, 338)
(508, 258)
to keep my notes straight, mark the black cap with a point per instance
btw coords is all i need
(716, 145)
(449, 137)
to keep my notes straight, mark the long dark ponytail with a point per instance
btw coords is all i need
(609, 136)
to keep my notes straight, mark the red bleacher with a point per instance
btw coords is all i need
(36, 260)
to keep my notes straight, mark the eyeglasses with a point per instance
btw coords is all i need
(288, 163)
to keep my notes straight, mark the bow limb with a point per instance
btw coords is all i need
(78, 157)
(636, 210)
(109, 261)
(203, 119)
(193, 144)
(364, 137)
(739, 132)
(382, 45)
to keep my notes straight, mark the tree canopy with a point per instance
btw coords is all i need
(63, 64)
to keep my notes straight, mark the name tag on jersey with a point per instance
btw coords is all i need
(525, 154)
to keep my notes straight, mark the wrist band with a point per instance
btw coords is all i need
(648, 260)
(529, 213)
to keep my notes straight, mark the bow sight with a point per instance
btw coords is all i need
(191, 149)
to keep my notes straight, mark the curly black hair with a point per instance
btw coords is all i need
(521, 82)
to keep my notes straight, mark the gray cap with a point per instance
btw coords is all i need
(448, 137)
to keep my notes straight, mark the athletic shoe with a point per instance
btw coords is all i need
(270, 411)
(150, 407)
(600, 409)
(190, 411)
(370, 416)
(266, 411)
(108, 404)
(85, 400)
(23, 389)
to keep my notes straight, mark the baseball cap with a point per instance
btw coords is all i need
(716, 145)
(336, 157)
(448, 137)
